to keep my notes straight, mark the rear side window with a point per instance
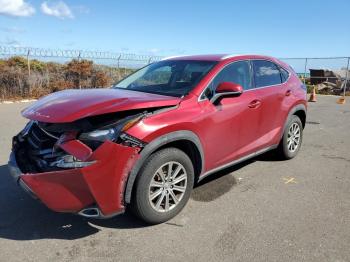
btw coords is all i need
(266, 73)
(284, 74)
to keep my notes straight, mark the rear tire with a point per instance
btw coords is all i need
(292, 138)
(158, 197)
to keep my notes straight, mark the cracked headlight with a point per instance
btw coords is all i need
(110, 132)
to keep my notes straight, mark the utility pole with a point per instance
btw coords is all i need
(346, 76)
(79, 67)
(305, 71)
(28, 65)
(118, 67)
(28, 62)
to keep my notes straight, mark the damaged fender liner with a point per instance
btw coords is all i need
(102, 183)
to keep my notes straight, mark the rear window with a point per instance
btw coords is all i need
(284, 74)
(266, 73)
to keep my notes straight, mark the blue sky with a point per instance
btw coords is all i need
(279, 28)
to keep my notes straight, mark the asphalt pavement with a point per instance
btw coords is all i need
(260, 210)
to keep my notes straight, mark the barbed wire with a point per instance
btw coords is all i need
(75, 53)
(301, 64)
(84, 54)
(88, 54)
(314, 58)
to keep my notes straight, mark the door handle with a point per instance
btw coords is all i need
(254, 104)
(289, 92)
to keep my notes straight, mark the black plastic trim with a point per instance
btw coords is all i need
(13, 167)
(299, 107)
(16, 174)
(152, 147)
(237, 161)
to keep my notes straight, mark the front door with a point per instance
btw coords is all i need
(234, 120)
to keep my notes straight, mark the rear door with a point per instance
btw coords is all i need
(271, 90)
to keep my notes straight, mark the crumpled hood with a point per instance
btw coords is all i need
(70, 105)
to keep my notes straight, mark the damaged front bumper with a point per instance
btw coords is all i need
(95, 190)
(16, 174)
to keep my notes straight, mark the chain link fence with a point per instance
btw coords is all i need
(100, 57)
(33, 72)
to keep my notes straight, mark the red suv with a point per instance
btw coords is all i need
(144, 142)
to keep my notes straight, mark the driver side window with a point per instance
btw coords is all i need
(237, 72)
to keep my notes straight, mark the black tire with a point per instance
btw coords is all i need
(141, 203)
(284, 152)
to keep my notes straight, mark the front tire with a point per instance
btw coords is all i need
(292, 138)
(163, 186)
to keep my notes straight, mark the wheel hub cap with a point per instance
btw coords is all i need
(167, 186)
(293, 139)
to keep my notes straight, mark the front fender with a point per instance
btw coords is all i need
(152, 147)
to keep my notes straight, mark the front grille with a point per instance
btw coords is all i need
(40, 140)
(35, 149)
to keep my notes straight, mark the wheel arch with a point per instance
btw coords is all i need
(298, 110)
(302, 115)
(184, 140)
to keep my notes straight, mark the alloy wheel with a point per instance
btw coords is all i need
(167, 186)
(293, 139)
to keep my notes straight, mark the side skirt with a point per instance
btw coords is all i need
(237, 161)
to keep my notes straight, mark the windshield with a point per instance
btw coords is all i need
(169, 77)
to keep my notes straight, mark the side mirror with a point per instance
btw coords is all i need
(225, 89)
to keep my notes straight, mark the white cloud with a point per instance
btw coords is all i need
(11, 42)
(125, 49)
(70, 44)
(154, 50)
(82, 9)
(58, 9)
(267, 71)
(16, 8)
(13, 29)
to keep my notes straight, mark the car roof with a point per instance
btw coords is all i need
(218, 57)
(226, 58)
(214, 57)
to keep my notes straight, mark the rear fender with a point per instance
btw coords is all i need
(294, 109)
